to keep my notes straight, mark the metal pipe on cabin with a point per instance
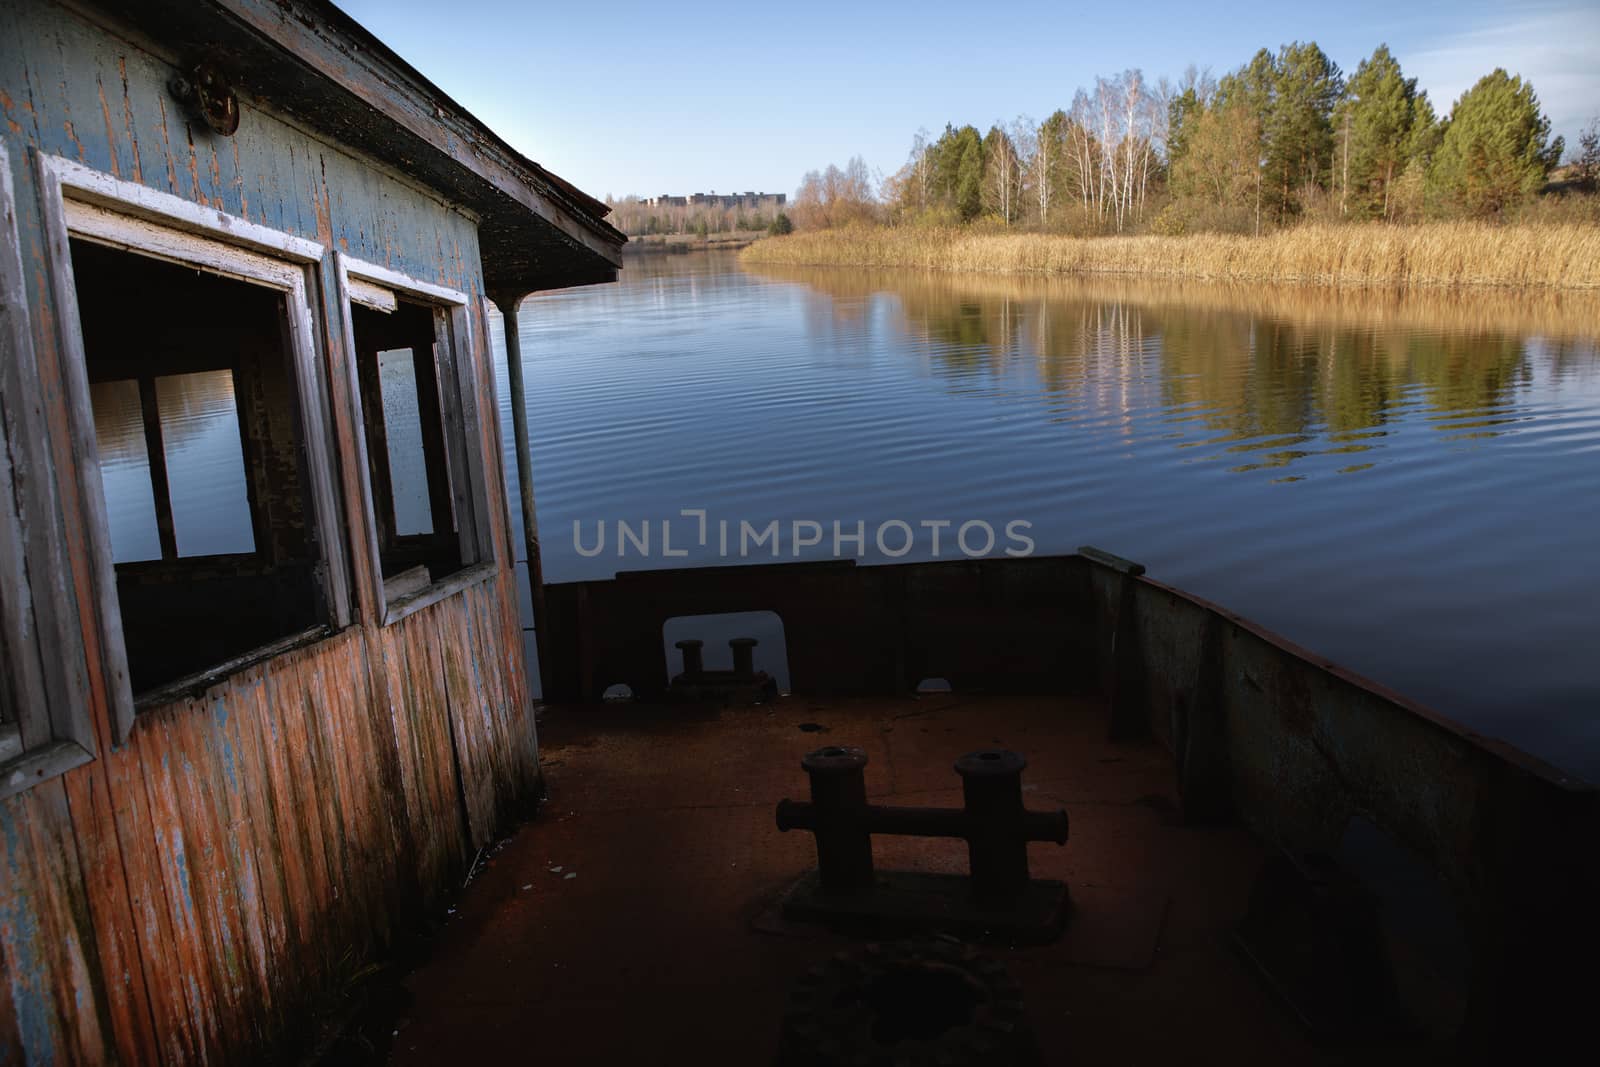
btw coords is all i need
(508, 303)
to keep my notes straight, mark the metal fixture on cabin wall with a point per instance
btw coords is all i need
(208, 93)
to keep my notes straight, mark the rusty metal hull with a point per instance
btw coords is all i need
(1260, 729)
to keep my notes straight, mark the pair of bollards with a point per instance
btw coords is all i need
(992, 820)
(744, 656)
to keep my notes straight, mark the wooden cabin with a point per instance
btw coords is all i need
(248, 733)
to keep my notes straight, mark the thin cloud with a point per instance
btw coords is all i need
(1553, 48)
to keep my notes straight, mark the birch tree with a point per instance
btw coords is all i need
(1002, 177)
(1048, 162)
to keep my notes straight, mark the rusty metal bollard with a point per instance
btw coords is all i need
(997, 839)
(839, 810)
(744, 656)
(693, 659)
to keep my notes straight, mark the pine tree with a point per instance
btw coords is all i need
(1300, 124)
(962, 162)
(1292, 96)
(1496, 149)
(1185, 108)
(1374, 127)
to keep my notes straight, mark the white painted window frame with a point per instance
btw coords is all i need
(77, 201)
(41, 674)
(376, 286)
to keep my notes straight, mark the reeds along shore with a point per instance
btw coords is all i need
(1552, 256)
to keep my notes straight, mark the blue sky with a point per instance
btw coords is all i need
(674, 98)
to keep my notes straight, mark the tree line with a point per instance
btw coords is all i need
(636, 218)
(1287, 136)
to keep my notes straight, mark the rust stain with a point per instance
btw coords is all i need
(111, 132)
(194, 168)
(321, 198)
(127, 118)
(166, 148)
(27, 105)
(216, 177)
(238, 180)
(72, 135)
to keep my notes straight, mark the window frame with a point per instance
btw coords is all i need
(79, 202)
(51, 731)
(376, 286)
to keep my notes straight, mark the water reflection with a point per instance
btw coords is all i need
(199, 420)
(125, 470)
(1272, 376)
(1407, 484)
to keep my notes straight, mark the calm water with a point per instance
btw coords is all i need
(1408, 486)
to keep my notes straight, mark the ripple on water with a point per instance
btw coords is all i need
(1410, 489)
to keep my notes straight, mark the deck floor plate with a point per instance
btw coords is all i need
(906, 902)
(656, 951)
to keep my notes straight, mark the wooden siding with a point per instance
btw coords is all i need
(190, 894)
(260, 838)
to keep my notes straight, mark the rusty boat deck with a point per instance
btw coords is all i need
(635, 920)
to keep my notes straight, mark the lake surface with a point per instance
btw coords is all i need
(1409, 486)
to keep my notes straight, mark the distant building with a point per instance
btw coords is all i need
(728, 200)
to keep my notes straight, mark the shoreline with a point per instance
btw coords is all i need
(682, 244)
(1555, 257)
(1561, 314)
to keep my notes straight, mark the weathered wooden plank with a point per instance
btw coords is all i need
(89, 800)
(10, 1033)
(163, 762)
(486, 690)
(420, 680)
(213, 876)
(391, 842)
(55, 976)
(280, 793)
(425, 675)
(513, 775)
(349, 762)
(259, 832)
(306, 774)
(172, 1002)
(253, 869)
(467, 720)
(507, 649)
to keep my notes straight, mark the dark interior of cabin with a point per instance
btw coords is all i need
(197, 418)
(408, 462)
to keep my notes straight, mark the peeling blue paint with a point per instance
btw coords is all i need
(29, 972)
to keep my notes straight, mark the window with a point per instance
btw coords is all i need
(201, 448)
(424, 467)
(200, 462)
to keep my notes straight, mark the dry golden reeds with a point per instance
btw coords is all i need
(1445, 254)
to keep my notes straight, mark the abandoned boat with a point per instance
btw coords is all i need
(233, 777)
